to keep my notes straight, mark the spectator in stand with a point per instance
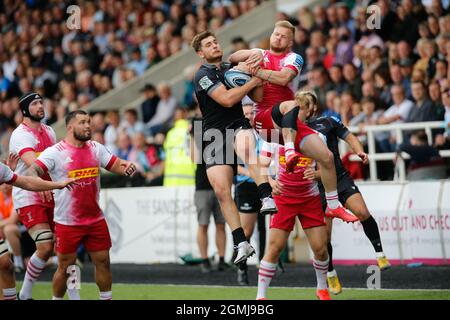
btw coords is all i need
(337, 78)
(131, 125)
(112, 130)
(353, 81)
(150, 103)
(382, 82)
(123, 145)
(424, 109)
(320, 84)
(395, 72)
(164, 111)
(397, 113)
(330, 107)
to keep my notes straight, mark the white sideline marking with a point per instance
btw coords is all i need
(251, 287)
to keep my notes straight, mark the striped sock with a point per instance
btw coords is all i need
(332, 199)
(105, 295)
(321, 268)
(265, 275)
(9, 294)
(34, 269)
(74, 294)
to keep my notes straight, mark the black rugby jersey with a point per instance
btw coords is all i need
(333, 129)
(215, 116)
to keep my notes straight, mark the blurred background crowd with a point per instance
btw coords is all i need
(395, 74)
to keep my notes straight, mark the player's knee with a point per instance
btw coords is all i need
(5, 263)
(9, 230)
(222, 194)
(274, 250)
(362, 213)
(45, 250)
(102, 261)
(327, 159)
(321, 253)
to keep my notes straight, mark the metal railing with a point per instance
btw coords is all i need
(398, 129)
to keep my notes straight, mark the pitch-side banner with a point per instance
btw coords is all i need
(159, 224)
(155, 225)
(414, 224)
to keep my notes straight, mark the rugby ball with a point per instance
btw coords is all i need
(235, 78)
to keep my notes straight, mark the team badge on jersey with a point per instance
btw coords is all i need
(205, 82)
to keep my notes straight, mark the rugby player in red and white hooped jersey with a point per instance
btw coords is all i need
(278, 67)
(35, 209)
(78, 217)
(7, 278)
(298, 197)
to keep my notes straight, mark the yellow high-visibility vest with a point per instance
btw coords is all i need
(179, 170)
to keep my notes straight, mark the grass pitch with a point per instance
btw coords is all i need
(89, 291)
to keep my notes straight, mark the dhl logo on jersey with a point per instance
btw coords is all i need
(302, 162)
(84, 173)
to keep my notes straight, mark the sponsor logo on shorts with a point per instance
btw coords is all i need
(84, 173)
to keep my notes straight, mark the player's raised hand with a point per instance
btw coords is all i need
(12, 161)
(364, 157)
(69, 183)
(254, 59)
(242, 66)
(129, 168)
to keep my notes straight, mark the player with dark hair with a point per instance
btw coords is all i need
(78, 217)
(35, 210)
(222, 114)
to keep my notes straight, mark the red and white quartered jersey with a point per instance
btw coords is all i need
(6, 174)
(274, 93)
(77, 206)
(294, 185)
(24, 139)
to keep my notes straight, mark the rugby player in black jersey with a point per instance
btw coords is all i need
(227, 134)
(349, 195)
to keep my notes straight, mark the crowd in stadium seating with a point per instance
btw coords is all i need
(397, 73)
(117, 41)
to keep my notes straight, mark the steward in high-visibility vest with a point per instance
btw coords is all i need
(179, 170)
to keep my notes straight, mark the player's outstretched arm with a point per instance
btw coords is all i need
(357, 147)
(123, 167)
(37, 184)
(252, 56)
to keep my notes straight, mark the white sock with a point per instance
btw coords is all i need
(9, 294)
(321, 268)
(18, 262)
(54, 260)
(265, 275)
(57, 298)
(105, 295)
(34, 269)
(332, 199)
(74, 294)
(379, 254)
(289, 148)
